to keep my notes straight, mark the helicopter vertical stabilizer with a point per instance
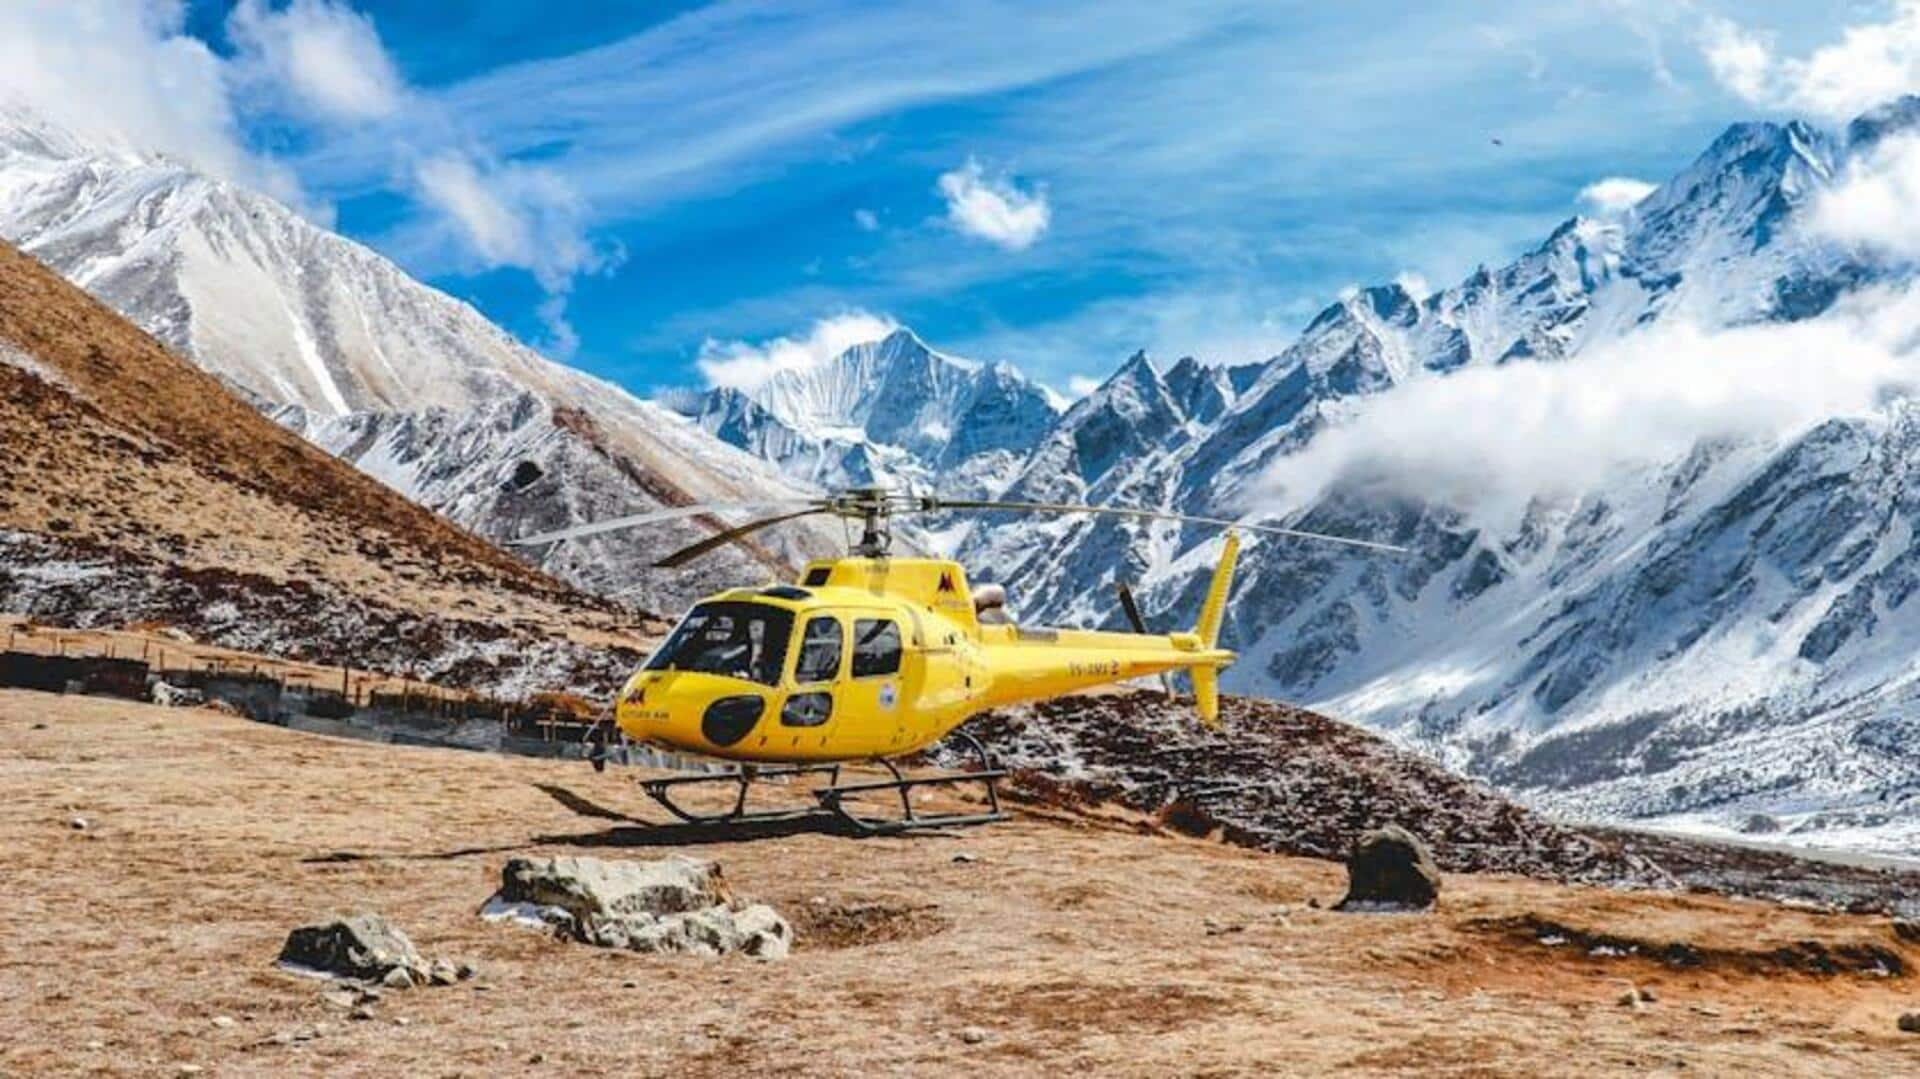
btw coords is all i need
(1215, 606)
(1206, 677)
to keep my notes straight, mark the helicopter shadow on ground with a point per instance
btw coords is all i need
(628, 832)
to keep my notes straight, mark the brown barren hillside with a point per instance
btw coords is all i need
(133, 486)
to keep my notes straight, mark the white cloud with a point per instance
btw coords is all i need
(1870, 64)
(742, 365)
(993, 208)
(1615, 195)
(1414, 283)
(321, 59)
(1872, 204)
(509, 214)
(1492, 437)
(1080, 385)
(866, 219)
(122, 72)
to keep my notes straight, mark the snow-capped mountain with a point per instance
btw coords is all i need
(892, 411)
(415, 387)
(1719, 636)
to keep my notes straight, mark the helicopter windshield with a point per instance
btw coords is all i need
(738, 640)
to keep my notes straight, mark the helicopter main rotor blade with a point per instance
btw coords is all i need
(1132, 609)
(720, 539)
(934, 505)
(675, 513)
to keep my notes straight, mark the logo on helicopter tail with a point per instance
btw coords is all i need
(946, 581)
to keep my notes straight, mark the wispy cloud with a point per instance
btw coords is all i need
(1872, 204)
(746, 365)
(994, 208)
(126, 73)
(1566, 427)
(1869, 64)
(319, 58)
(1614, 195)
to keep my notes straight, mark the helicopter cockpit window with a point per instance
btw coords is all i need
(738, 640)
(819, 651)
(876, 647)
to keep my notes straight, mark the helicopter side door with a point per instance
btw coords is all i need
(873, 701)
(810, 715)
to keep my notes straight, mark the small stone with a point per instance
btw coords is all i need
(973, 1035)
(401, 1021)
(1646, 996)
(96, 1045)
(466, 971)
(629, 984)
(188, 1069)
(1629, 999)
(443, 972)
(223, 1021)
(320, 1028)
(501, 1047)
(341, 998)
(363, 1012)
(536, 1058)
(398, 978)
(39, 726)
(966, 858)
(1910, 1022)
(78, 824)
(482, 988)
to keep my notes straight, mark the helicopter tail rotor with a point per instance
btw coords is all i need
(1138, 624)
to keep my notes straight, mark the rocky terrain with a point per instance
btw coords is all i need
(1283, 779)
(1098, 941)
(137, 488)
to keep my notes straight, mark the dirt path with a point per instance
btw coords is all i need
(1070, 945)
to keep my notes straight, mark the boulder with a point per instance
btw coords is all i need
(1390, 869)
(362, 947)
(1910, 1023)
(675, 904)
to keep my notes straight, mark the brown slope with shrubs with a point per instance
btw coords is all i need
(133, 485)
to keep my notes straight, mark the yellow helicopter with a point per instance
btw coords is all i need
(870, 657)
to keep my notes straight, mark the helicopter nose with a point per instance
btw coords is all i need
(688, 712)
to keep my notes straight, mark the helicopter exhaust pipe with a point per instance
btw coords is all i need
(1206, 676)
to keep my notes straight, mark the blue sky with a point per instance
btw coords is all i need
(634, 186)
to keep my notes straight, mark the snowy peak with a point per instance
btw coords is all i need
(1202, 392)
(891, 410)
(1900, 116)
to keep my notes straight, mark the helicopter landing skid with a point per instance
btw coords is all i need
(742, 778)
(833, 797)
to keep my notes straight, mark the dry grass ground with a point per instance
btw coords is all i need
(1071, 944)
